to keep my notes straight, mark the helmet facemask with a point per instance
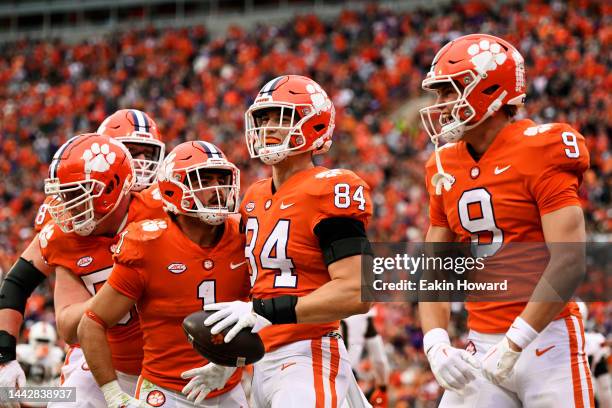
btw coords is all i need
(451, 127)
(273, 142)
(147, 155)
(204, 199)
(72, 206)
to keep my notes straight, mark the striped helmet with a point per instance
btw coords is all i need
(89, 176)
(140, 135)
(197, 180)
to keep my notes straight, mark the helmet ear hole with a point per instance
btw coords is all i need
(491, 90)
(319, 127)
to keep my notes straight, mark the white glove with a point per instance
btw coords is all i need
(116, 398)
(237, 313)
(204, 380)
(12, 376)
(453, 368)
(498, 363)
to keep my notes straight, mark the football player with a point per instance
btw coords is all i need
(305, 238)
(170, 268)
(359, 333)
(92, 176)
(31, 269)
(502, 181)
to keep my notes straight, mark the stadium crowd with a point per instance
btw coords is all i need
(371, 62)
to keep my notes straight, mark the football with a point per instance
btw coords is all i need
(245, 348)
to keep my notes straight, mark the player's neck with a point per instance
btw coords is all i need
(110, 225)
(201, 233)
(481, 137)
(282, 171)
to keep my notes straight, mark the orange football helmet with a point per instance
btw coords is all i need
(89, 175)
(139, 133)
(189, 183)
(485, 71)
(306, 119)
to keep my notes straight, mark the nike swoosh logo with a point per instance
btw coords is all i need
(234, 266)
(500, 171)
(285, 365)
(540, 352)
(284, 206)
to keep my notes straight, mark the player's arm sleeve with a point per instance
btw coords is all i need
(127, 276)
(557, 172)
(18, 285)
(343, 208)
(127, 280)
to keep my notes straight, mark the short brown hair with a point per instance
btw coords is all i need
(509, 110)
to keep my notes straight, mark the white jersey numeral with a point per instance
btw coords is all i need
(478, 226)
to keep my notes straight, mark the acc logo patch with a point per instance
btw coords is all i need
(156, 398)
(250, 206)
(84, 261)
(177, 267)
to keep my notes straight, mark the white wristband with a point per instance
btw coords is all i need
(111, 390)
(521, 333)
(433, 337)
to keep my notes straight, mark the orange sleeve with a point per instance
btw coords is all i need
(555, 192)
(127, 280)
(555, 166)
(343, 194)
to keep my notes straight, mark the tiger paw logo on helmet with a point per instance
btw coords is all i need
(486, 56)
(98, 158)
(319, 98)
(45, 235)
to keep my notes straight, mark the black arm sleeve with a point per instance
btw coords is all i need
(341, 237)
(19, 284)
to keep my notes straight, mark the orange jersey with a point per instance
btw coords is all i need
(169, 276)
(282, 249)
(90, 258)
(42, 216)
(528, 171)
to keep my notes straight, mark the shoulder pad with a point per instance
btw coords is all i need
(131, 247)
(554, 147)
(324, 181)
(340, 193)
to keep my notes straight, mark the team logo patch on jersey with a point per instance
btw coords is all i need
(268, 204)
(177, 267)
(250, 206)
(84, 261)
(156, 398)
(208, 264)
(475, 172)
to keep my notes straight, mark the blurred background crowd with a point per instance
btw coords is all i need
(371, 61)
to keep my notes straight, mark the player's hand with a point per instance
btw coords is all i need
(116, 398)
(239, 314)
(204, 380)
(11, 375)
(453, 368)
(498, 363)
(379, 398)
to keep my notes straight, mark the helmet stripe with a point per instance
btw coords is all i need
(140, 122)
(270, 86)
(57, 156)
(211, 150)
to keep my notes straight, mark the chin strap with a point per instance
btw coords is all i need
(440, 179)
